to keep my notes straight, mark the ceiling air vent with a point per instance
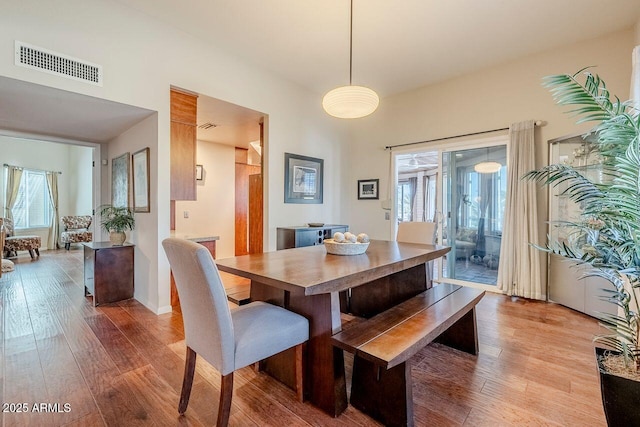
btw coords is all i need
(50, 62)
(208, 125)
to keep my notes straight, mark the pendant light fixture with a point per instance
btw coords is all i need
(487, 166)
(350, 102)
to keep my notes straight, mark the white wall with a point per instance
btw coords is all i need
(141, 59)
(144, 236)
(80, 179)
(50, 156)
(213, 214)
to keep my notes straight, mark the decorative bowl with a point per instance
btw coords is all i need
(336, 248)
(316, 224)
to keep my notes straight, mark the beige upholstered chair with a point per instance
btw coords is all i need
(227, 339)
(13, 244)
(76, 230)
(419, 232)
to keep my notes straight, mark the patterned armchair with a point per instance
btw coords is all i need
(76, 230)
(13, 244)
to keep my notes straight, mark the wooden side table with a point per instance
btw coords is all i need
(108, 271)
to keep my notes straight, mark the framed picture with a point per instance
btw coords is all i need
(120, 181)
(368, 189)
(140, 162)
(302, 179)
(199, 173)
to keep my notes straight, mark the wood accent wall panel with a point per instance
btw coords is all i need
(172, 215)
(183, 162)
(183, 146)
(184, 107)
(255, 214)
(242, 209)
(242, 155)
(243, 171)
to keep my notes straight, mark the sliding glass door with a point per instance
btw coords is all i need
(474, 192)
(462, 187)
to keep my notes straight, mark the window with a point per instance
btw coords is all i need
(33, 207)
(404, 201)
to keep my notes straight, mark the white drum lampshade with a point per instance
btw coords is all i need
(350, 102)
(487, 167)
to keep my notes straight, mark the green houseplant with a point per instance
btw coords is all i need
(607, 234)
(116, 221)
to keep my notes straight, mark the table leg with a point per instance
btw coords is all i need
(381, 294)
(324, 377)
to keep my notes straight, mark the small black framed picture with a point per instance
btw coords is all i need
(368, 189)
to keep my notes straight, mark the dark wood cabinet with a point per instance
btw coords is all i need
(108, 271)
(297, 237)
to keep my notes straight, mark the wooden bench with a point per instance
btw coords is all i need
(237, 288)
(384, 344)
(240, 294)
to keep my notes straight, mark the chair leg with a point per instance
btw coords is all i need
(224, 408)
(31, 253)
(299, 372)
(187, 381)
(37, 251)
(67, 246)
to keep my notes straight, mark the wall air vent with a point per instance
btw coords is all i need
(51, 62)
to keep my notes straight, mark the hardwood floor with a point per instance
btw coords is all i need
(121, 365)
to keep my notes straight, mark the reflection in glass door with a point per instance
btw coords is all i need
(475, 186)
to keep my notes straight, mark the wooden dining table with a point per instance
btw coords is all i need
(311, 282)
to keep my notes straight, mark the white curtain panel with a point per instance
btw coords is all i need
(519, 268)
(52, 186)
(12, 186)
(635, 78)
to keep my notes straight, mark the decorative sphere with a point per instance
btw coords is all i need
(350, 237)
(363, 238)
(338, 237)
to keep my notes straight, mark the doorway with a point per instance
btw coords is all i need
(229, 144)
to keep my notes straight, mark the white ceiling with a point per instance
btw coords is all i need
(397, 45)
(41, 110)
(235, 125)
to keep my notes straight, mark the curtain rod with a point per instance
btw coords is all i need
(390, 147)
(37, 170)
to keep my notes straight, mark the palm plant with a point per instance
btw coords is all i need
(607, 235)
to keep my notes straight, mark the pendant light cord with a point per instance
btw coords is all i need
(351, 44)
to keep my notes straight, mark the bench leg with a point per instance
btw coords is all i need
(462, 335)
(31, 253)
(384, 395)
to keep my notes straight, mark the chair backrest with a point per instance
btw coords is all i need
(8, 226)
(208, 328)
(417, 232)
(75, 222)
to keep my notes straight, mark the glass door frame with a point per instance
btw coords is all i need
(441, 148)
